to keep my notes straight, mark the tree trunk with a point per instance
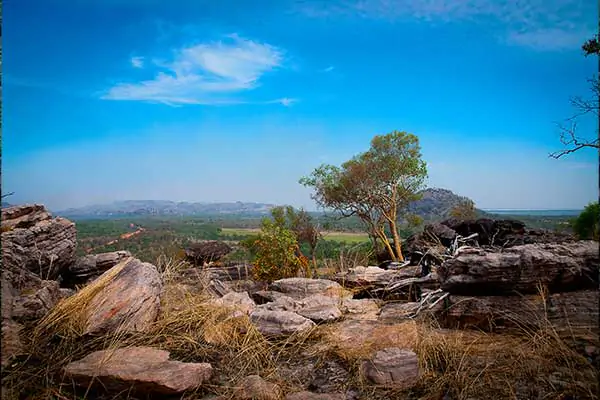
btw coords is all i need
(387, 245)
(397, 243)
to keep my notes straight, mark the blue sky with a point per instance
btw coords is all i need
(234, 100)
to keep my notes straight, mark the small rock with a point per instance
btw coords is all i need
(360, 309)
(146, 369)
(279, 323)
(315, 396)
(266, 296)
(319, 308)
(254, 387)
(66, 292)
(240, 301)
(393, 367)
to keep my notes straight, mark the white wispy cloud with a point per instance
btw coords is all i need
(540, 24)
(137, 62)
(329, 69)
(207, 73)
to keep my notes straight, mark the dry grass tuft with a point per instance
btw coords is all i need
(68, 318)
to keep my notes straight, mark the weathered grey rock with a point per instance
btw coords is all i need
(91, 266)
(360, 309)
(129, 302)
(566, 312)
(392, 313)
(315, 396)
(35, 305)
(392, 367)
(32, 240)
(11, 341)
(237, 300)
(561, 267)
(299, 288)
(254, 387)
(8, 295)
(145, 369)
(375, 282)
(283, 303)
(319, 308)
(280, 323)
(267, 296)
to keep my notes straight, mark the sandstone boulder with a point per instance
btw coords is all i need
(392, 367)
(129, 299)
(360, 309)
(145, 370)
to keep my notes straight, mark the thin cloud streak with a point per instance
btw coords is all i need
(546, 25)
(204, 74)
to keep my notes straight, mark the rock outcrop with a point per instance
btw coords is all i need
(560, 267)
(33, 240)
(144, 370)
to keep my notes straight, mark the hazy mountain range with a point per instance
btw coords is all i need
(435, 204)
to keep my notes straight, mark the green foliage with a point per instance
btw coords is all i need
(464, 210)
(585, 225)
(276, 251)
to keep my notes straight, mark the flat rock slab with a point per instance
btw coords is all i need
(130, 301)
(145, 369)
(280, 323)
(299, 288)
(392, 367)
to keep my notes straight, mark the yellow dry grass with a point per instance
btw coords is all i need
(533, 364)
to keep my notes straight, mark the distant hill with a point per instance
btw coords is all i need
(140, 208)
(437, 203)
